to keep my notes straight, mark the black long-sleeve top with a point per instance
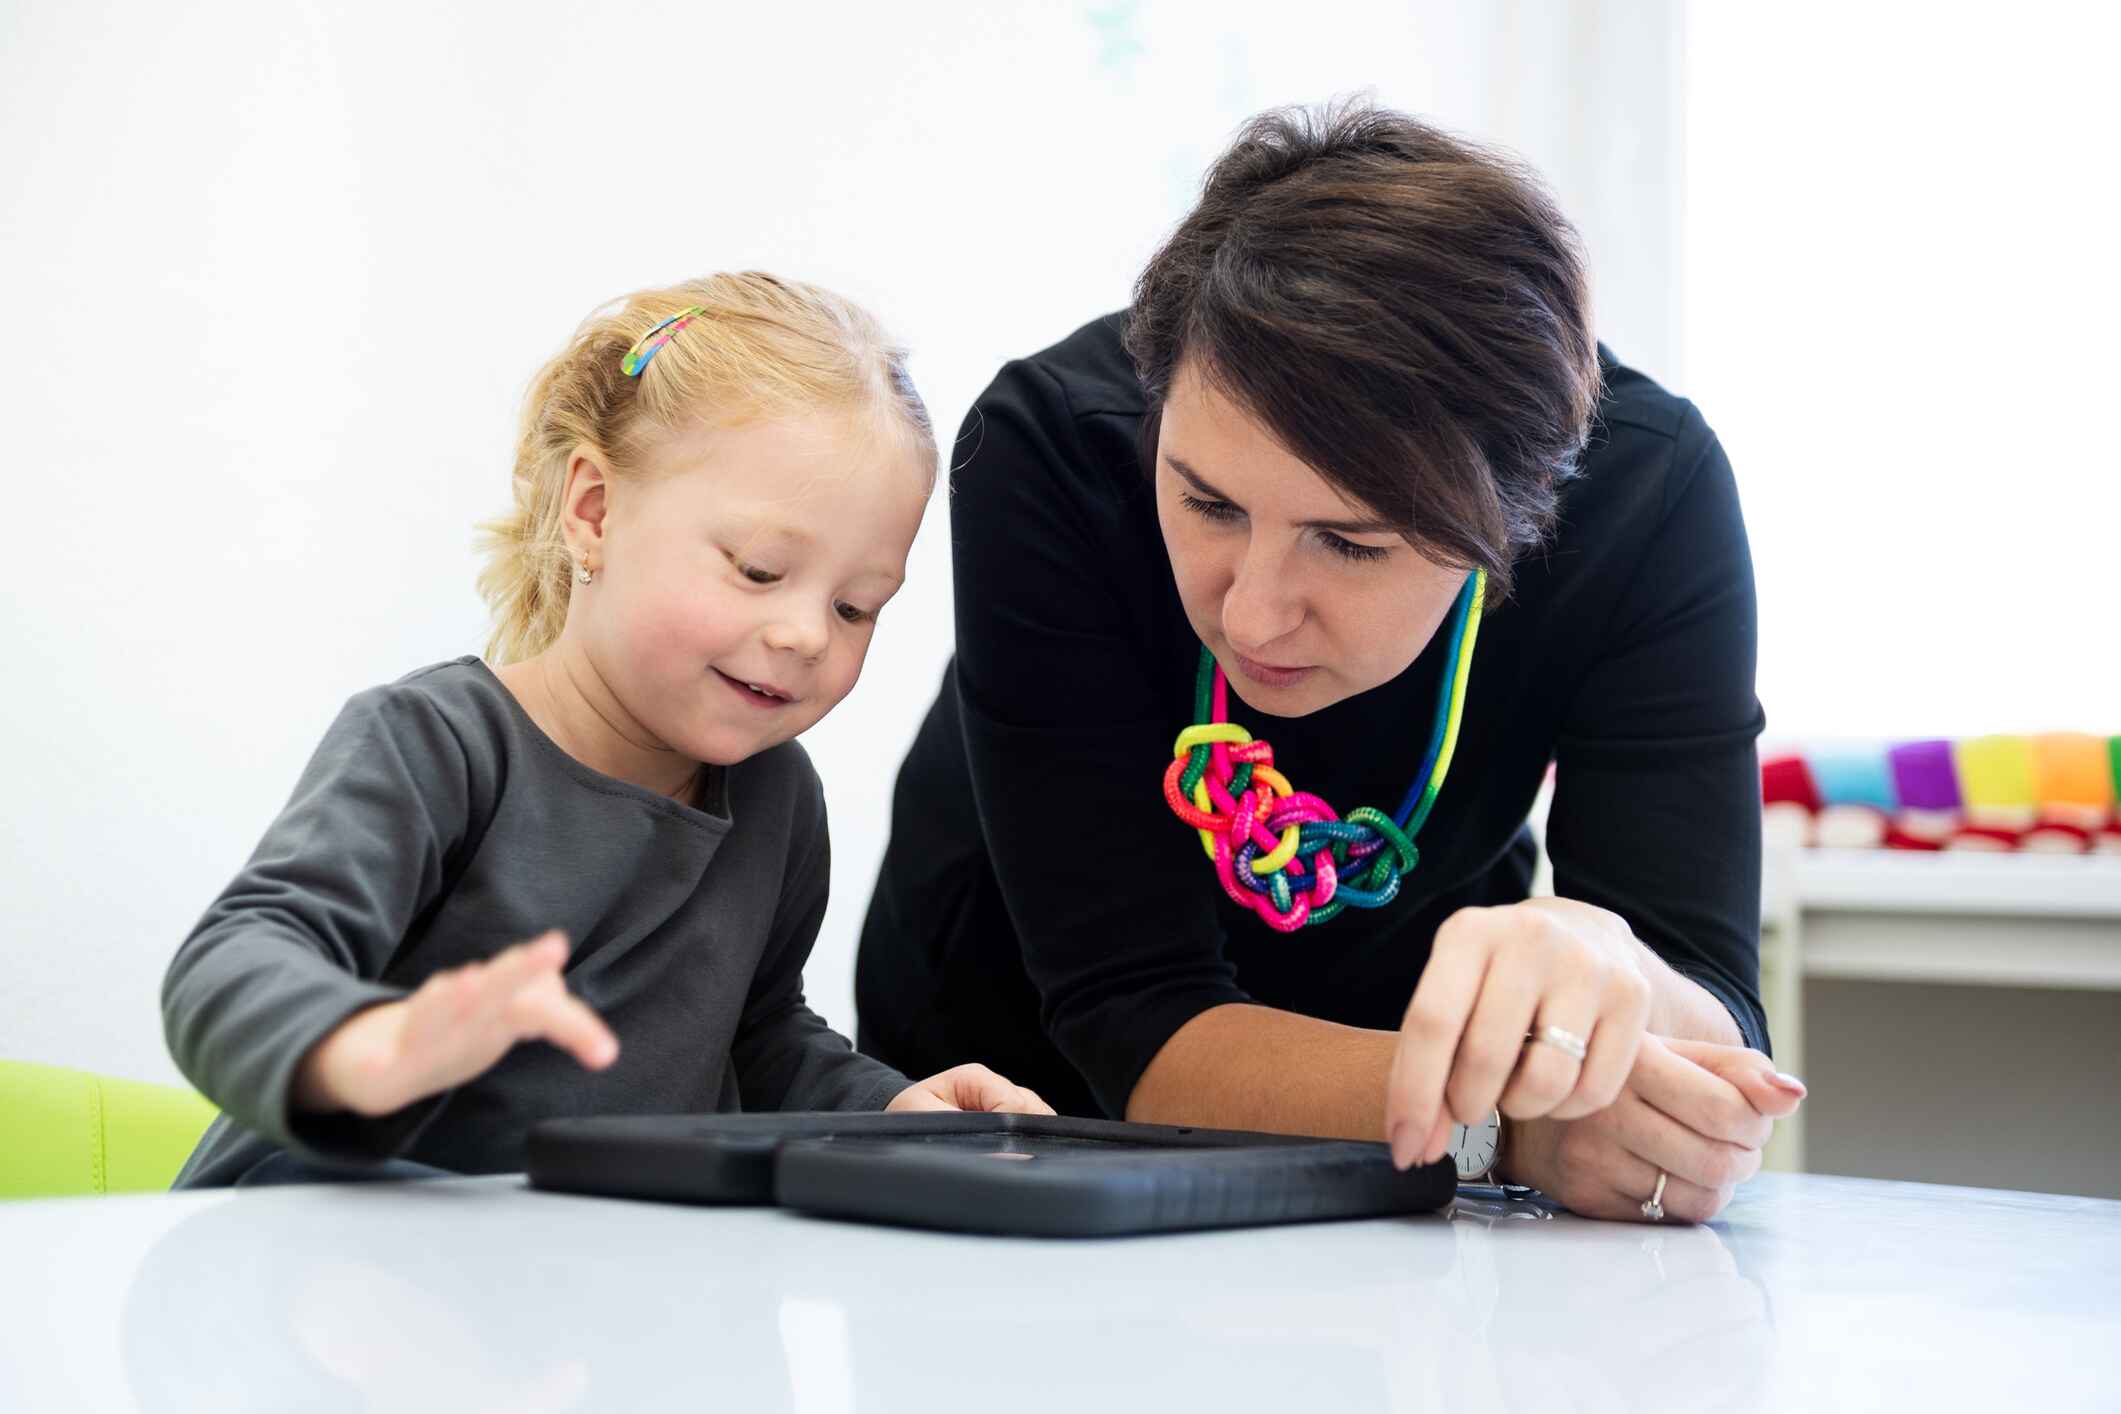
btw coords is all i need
(1041, 908)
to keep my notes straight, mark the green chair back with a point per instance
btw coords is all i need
(69, 1132)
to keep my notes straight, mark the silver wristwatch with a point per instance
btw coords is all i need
(1476, 1150)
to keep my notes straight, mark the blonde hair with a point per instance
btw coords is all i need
(762, 346)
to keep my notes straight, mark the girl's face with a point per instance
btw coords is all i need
(1304, 597)
(739, 577)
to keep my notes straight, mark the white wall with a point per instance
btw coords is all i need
(273, 276)
(1900, 299)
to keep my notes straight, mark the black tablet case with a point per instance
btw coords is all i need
(1010, 1174)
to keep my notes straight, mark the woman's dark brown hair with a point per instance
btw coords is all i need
(1407, 312)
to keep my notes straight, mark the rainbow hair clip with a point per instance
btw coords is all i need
(648, 345)
(1282, 852)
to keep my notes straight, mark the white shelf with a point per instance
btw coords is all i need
(1982, 920)
(2029, 951)
(1995, 885)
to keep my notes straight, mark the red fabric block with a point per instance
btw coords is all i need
(1985, 838)
(1787, 779)
(1898, 838)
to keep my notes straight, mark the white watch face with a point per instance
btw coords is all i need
(1473, 1150)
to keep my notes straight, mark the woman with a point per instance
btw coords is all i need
(1355, 447)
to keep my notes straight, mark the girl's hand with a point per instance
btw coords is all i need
(452, 1029)
(1495, 976)
(1694, 1110)
(968, 1087)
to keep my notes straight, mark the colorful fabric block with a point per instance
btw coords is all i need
(1786, 780)
(2052, 792)
(1855, 778)
(1996, 772)
(1924, 776)
(2072, 768)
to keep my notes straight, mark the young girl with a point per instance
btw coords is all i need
(716, 487)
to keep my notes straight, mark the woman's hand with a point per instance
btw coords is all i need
(453, 1028)
(1496, 975)
(968, 1087)
(1694, 1110)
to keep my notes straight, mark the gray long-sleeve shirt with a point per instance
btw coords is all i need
(437, 825)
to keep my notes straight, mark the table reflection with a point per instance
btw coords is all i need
(489, 1296)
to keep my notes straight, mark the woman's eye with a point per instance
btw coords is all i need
(851, 614)
(1349, 550)
(1213, 510)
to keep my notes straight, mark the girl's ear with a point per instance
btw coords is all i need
(583, 505)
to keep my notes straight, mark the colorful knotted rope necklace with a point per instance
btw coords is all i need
(1285, 853)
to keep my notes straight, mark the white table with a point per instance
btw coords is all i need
(482, 1294)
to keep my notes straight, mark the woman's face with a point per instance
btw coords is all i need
(1303, 596)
